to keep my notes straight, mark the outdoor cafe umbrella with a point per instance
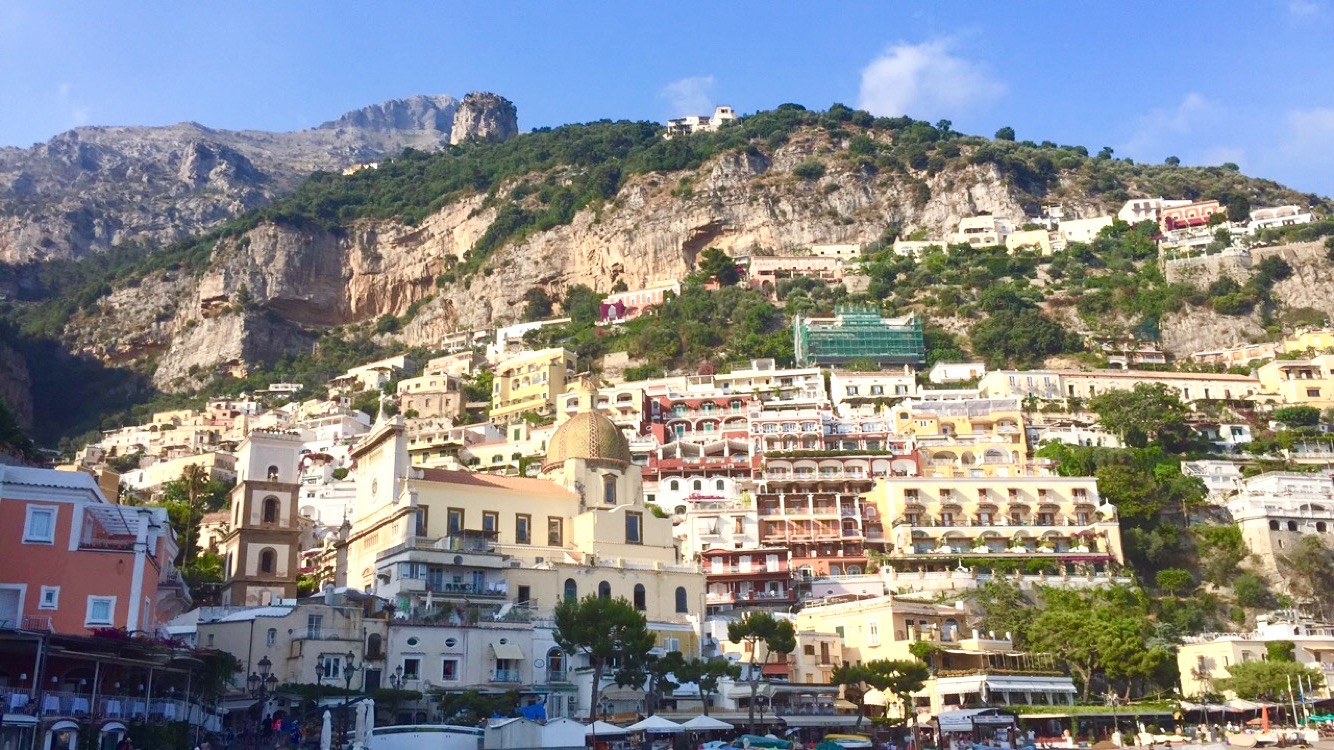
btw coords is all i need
(656, 725)
(603, 729)
(704, 723)
(326, 732)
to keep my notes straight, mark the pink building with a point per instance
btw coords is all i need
(72, 562)
(619, 307)
(1190, 215)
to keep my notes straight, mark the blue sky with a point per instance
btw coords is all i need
(1247, 81)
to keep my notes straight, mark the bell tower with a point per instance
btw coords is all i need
(260, 553)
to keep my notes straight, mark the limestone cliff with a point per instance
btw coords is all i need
(16, 385)
(652, 230)
(483, 116)
(94, 187)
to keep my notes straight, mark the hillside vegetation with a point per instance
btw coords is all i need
(1011, 310)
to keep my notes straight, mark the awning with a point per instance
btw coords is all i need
(1031, 684)
(954, 685)
(237, 704)
(819, 721)
(11, 720)
(507, 650)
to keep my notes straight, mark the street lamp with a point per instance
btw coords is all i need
(349, 669)
(261, 684)
(1112, 700)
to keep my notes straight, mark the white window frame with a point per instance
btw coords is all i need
(27, 524)
(54, 593)
(458, 665)
(110, 601)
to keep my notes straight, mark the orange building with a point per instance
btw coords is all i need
(72, 562)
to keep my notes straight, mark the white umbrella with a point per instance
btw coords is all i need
(704, 723)
(368, 709)
(603, 729)
(326, 732)
(657, 725)
(359, 729)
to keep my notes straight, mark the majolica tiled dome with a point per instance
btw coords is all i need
(587, 435)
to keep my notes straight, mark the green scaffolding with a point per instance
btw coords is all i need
(858, 333)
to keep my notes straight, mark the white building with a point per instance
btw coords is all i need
(1278, 216)
(1084, 230)
(1221, 478)
(956, 372)
(700, 123)
(983, 231)
(1274, 510)
(863, 393)
(1146, 209)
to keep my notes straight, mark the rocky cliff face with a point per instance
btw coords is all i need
(484, 116)
(94, 187)
(651, 231)
(414, 113)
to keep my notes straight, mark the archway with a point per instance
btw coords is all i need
(63, 735)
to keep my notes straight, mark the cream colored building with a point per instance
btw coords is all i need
(433, 395)
(215, 464)
(1306, 382)
(1055, 385)
(864, 393)
(939, 524)
(296, 636)
(983, 231)
(972, 668)
(531, 382)
(1204, 659)
(1037, 240)
(449, 546)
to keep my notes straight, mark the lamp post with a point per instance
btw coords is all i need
(396, 682)
(1112, 700)
(261, 684)
(349, 669)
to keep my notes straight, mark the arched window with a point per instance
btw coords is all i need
(268, 560)
(681, 604)
(571, 590)
(1320, 526)
(719, 485)
(1273, 525)
(675, 485)
(1292, 525)
(270, 510)
(609, 490)
(697, 485)
(374, 646)
(604, 590)
(555, 665)
(271, 637)
(273, 473)
(641, 597)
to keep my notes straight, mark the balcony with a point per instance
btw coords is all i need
(557, 675)
(779, 568)
(36, 622)
(749, 597)
(327, 634)
(506, 675)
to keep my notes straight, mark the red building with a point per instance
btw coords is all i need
(72, 562)
(701, 447)
(758, 577)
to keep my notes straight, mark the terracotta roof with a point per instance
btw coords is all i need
(495, 482)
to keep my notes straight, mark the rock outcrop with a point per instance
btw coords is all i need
(484, 116)
(414, 113)
(91, 188)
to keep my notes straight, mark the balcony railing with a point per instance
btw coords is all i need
(36, 622)
(557, 675)
(718, 570)
(505, 675)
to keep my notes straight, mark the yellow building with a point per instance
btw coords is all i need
(1204, 659)
(1305, 341)
(1059, 524)
(530, 382)
(974, 437)
(431, 395)
(1308, 382)
(971, 668)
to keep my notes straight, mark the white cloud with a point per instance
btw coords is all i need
(1155, 129)
(925, 81)
(1303, 8)
(690, 96)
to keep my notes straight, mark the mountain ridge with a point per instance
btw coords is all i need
(94, 187)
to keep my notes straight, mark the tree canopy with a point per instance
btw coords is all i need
(607, 631)
(895, 678)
